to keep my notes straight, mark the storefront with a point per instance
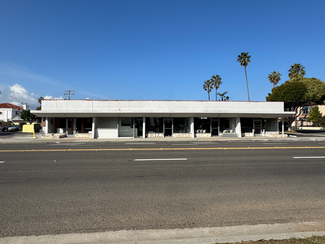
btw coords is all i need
(129, 119)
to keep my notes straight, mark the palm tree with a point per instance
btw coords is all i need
(274, 78)
(216, 82)
(223, 96)
(243, 60)
(296, 71)
(208, 86)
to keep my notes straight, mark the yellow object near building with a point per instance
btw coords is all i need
(29, 128)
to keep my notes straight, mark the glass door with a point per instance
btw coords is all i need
(257, 126)
(168, 127)
(138, 125)
(214, 127)
(70, 126)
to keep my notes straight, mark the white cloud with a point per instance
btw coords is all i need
(17, 95)
(50, 97)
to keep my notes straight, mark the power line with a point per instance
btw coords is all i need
(68, 93)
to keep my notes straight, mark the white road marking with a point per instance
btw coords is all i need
(205, 143)
(274, 143)
(139, 143)
(68, 144)
(1, 162)
(311, 157)
(161, 159)
(182, 144)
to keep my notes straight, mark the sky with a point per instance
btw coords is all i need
(154, 49)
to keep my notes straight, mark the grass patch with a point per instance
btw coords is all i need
(309, 240)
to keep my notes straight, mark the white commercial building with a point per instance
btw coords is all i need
(114, 119)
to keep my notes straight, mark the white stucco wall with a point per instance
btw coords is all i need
(9, 114)
(178, 108)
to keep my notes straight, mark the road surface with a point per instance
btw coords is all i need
(55, 188)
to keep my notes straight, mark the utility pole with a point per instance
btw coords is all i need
(68, 93)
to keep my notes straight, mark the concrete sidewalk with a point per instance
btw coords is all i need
(225, 234)
(20, 137)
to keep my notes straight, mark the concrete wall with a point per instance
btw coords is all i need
(322, 109)
(161, 106)
(106, 133)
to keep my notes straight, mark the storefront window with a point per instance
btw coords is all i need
(270, 124)
(181, 125)
(246, 125)
(202, 125)
(154, 125)
(126, 127)
(108, 123)
(227, 125)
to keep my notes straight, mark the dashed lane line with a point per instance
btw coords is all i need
(309, 157)
(161, 159)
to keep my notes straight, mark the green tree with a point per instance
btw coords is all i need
(40, 103)
(291, 93)
(315, 90)
(208, 86)
(322, 121)
(296, 71)
(315, 116)
(274, 78)
(223, 96)
(243, 60)
(216, 82)
(27, 116)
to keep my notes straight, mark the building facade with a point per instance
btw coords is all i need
(10, 112)
(115, 119)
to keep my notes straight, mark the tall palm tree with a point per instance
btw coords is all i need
(274, 78)
(296, 71)
(243, 60)
(216, 82)
(223, 96)
(208, 86)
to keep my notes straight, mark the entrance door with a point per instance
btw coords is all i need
(138, 127)
(214, 127)
(70, 126)
(168, 127)
(257, 126)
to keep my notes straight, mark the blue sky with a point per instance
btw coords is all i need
(154, 50)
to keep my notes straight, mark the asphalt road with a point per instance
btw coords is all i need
(54, 188)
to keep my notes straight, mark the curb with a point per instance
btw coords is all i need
(225, 234)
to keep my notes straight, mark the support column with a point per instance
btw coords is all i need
(46, 125)
(93, 128)
(144, 127)
(67, 126)
(282, 126)
(238, 127)
(74, 126)
(192, 127)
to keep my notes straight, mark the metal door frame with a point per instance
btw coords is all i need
(261, 126)
(164, 127)
(215, 119)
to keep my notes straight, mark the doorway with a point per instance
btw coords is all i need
(168, 127)
(138, 127)
(71, 126)
(257, 126)
(214, 127)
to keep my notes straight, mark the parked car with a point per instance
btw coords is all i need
(13, 128)
(3, 128)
